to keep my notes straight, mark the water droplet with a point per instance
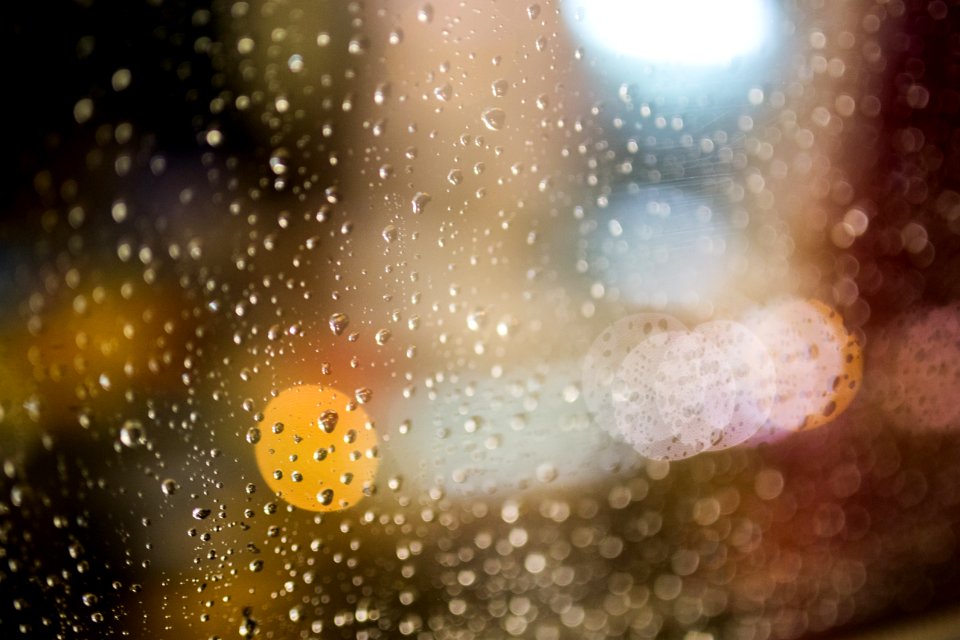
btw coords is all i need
(443, 93)
(328, 420)
(390, 233)
(383, 336)
(169, 486)
(132, 434)
(253, 435)
(546, 472)
(256, 566)
(494, 118)
(476, 319)
(325, 497)
(499, 88)
(200, 513)
(357, 45)
(533, 11)
(363, 395)
(425, 14)
(249, 626)
(278, 161)
(338, 322)
(420, 201)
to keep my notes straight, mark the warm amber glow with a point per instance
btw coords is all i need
(819, 363)
(844, 387)
(314, 459)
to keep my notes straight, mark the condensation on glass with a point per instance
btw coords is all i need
(480, 319)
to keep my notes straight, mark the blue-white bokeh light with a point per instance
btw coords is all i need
(696, 33)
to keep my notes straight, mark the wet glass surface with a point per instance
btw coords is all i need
(479, 319)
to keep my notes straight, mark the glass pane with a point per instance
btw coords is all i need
(480, 319)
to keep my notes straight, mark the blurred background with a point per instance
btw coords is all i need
(432, 211)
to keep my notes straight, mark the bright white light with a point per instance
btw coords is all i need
(682, 32)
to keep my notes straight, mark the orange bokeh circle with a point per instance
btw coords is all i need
(317, 449)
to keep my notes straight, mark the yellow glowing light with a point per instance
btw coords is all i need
(317, 448)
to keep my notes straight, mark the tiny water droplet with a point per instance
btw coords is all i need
(443, 93)
(132, 434)
(328, 420)
(200, 513)
(249, 626)
(253, 435)
(278, 161)
(169, 486)
(383, 336)
(390, 233)
(494, 118)
(420, 201)
(425, 14)
(338, 322)
(546, 473)
(358, 45)
(476, 319)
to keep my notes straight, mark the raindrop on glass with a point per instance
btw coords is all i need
(494, 118)
(338, 322)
